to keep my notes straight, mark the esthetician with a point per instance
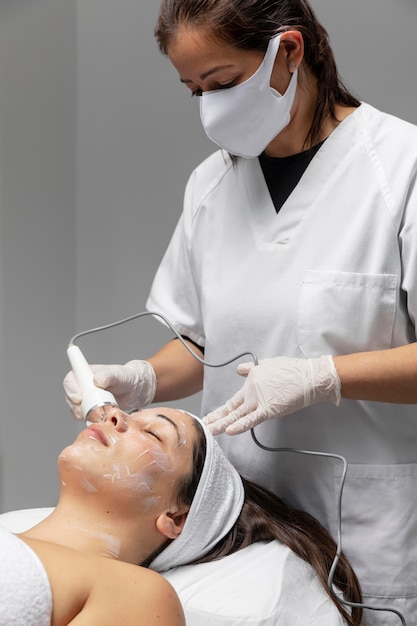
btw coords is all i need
(298, 242)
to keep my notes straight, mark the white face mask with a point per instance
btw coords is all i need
(246, 118)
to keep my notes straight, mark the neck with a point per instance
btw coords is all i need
(292, 140)
(92, 528)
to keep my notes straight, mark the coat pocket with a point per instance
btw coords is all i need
(344, 312)
(379, 527)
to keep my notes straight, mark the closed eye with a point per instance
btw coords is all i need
(154, 434)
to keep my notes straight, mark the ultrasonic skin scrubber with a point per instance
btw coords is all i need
(94, 397)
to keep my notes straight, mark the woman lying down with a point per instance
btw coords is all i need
(152, 489)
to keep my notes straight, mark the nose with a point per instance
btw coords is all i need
(117, 418)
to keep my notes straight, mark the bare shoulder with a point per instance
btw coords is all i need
(146, 593)
(121, 593)
(98, 591)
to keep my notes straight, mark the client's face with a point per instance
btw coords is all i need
(145, 454)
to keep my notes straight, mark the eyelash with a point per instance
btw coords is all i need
(151, 432)
(198, 92)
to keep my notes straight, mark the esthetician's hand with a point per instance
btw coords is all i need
(274, 388)
(133, 385)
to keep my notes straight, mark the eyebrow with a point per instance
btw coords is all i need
(168, 419)
(208, 73)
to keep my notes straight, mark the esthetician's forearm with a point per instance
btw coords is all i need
(178, 373)
(381, 376)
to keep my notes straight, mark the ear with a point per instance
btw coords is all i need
(171, 524)
(293, 43)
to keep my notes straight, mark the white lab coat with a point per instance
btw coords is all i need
(334, 272)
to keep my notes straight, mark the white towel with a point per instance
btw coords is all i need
(215, 508)
(26, 597)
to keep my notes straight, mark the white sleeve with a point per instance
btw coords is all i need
(408, 247)
(174, 292)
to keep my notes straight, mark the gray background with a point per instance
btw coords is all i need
(97, 139)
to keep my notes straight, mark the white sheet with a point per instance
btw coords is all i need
(264, 585)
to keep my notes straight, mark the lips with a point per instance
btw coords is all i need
(97, 433)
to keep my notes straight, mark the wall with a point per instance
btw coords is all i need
(37, 237)
(375, 47)
(139, 138)
(97, 139)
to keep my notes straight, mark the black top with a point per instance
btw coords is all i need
(283, 174)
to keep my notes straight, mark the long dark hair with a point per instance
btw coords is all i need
(266, 517)
(250, 24)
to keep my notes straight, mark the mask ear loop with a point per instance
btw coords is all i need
(267, 449)
(271, 53)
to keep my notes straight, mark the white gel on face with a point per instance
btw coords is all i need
(112, 440)
(144, 471)
(88, 486)
(162, 460)
(136, 474)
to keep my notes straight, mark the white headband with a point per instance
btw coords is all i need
(214, 510)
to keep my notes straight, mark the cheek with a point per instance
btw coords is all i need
(141, 469)
(154, 474)
(141, 473)
(144, 455)
(137, 483)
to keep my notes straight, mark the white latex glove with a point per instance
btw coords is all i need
(274, 388)
(133, 385)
